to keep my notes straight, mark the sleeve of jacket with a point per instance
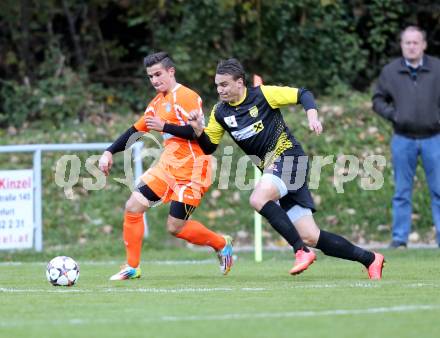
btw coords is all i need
(382, 99)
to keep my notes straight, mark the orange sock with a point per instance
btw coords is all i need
(196, 233)
(133, 236)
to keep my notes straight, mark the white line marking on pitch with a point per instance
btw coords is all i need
(154, 262)
(230, 316)
(160, 290)
(267, 315)
(78, 289)
(123, 290)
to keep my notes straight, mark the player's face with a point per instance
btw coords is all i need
(413, 45)
(162, 79)
(228, 89)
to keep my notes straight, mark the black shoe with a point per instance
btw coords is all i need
(397, 245)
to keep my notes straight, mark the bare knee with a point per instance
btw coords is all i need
(308, 230)
(263, 193)
(136, 203)
(310, 239)
(257, 202)
(174, 229)
(175, 225)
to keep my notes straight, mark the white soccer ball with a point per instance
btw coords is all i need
(62, 271)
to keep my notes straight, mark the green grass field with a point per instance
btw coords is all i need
(189, 298)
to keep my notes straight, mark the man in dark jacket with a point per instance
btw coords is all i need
(408, 95)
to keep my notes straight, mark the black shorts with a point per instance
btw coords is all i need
(292, 168)
(177, 209)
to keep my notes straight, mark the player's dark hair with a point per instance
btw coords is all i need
(231, 67)
(161, 57)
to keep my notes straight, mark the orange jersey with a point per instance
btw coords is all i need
(182, 159)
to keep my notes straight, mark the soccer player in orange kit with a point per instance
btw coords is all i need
(182, 175)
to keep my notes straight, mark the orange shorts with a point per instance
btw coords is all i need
(168, 188)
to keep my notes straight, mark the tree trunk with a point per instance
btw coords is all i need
(101, 42)
(75, 38)
(24, 44)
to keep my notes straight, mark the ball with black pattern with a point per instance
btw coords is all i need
(62, 271)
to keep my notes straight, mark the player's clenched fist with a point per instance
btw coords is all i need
(106, 162)
(154, 123)
(197, 121)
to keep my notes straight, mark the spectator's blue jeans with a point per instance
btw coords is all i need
(405, 152)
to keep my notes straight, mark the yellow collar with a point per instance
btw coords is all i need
(239, 101)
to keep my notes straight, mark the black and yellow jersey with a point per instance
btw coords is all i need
(256, 123)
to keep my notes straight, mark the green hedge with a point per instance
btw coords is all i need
(70, 61)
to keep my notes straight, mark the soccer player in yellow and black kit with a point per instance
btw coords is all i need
(253, 119)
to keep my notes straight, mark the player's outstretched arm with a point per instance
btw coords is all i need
(278, 97)
(192, 131)
(189, 133)
(106, 160)
(155, 123)
(305, 97)
(205, 143)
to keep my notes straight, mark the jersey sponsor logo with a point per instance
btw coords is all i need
(249, 131)
(253, 111)
(258, 126)
(231, 121)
